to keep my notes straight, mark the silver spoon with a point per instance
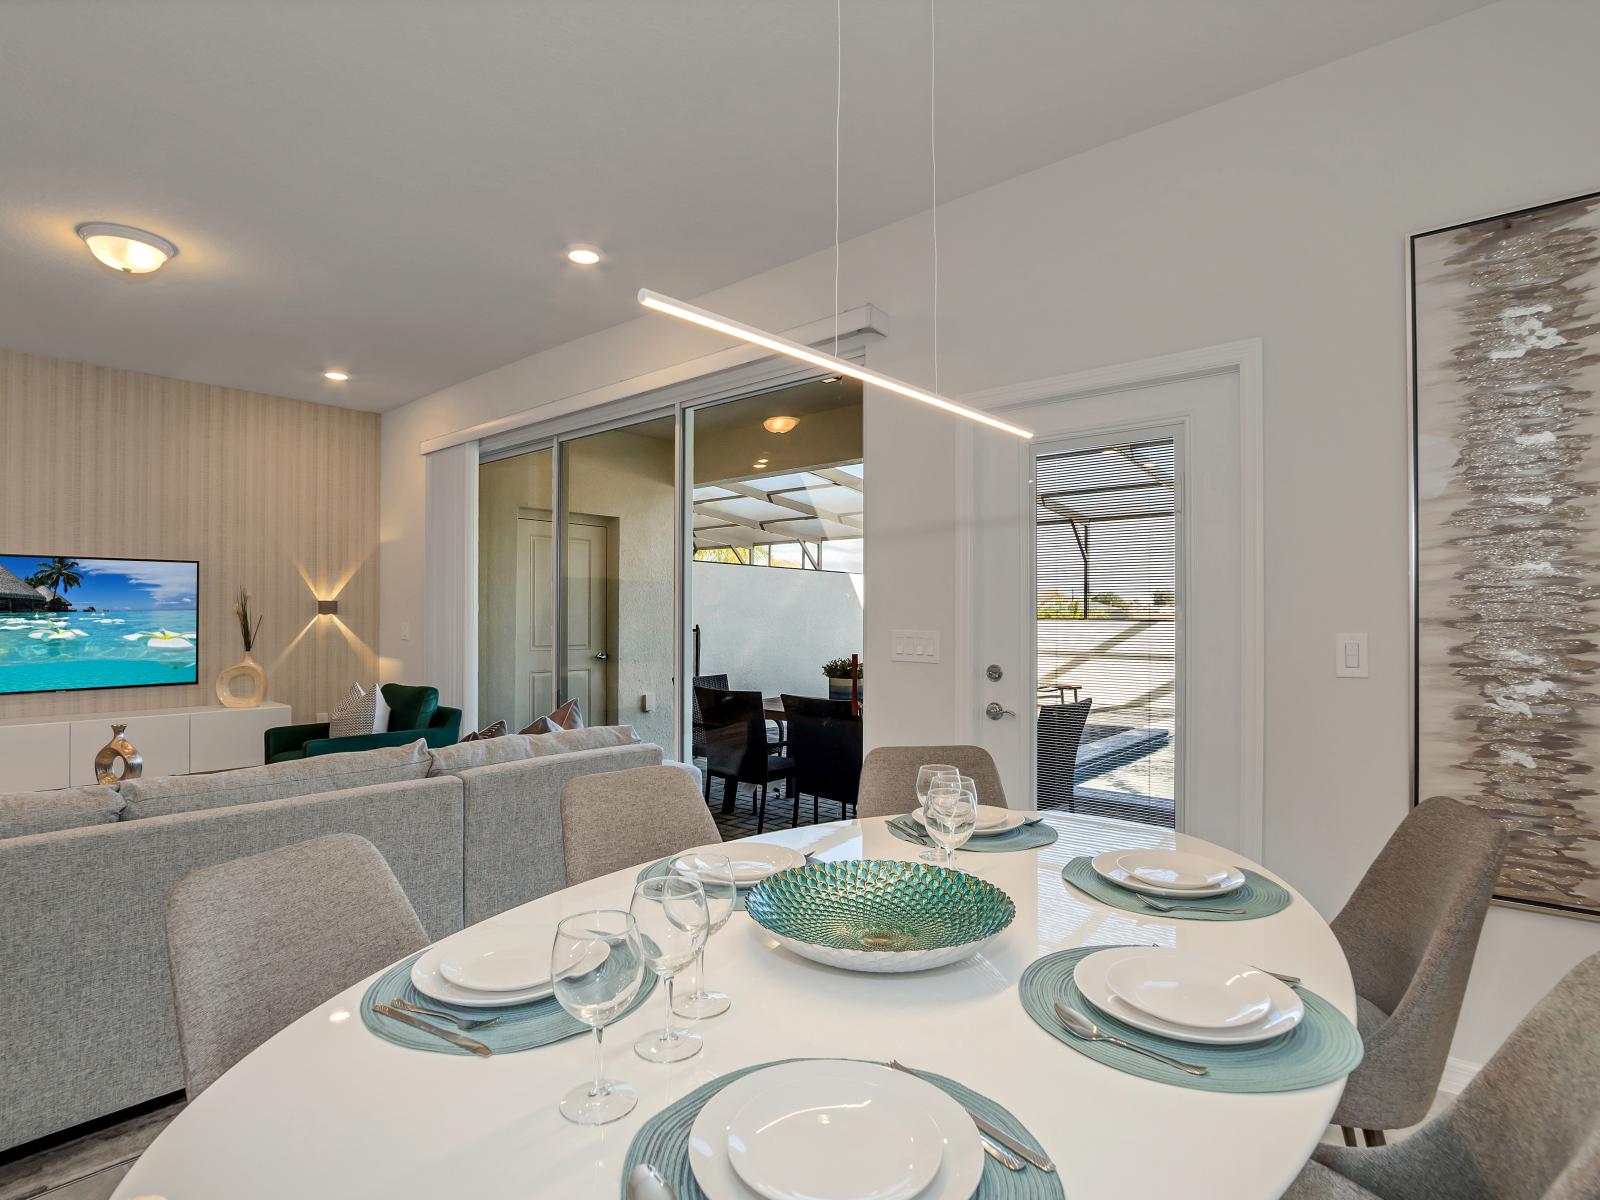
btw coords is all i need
(1080, 1026)
(1161, 906)
(647, 1183)
(462, 1023)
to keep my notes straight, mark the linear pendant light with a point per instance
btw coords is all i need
(782, 345)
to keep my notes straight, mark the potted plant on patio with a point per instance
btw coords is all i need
(838, 672)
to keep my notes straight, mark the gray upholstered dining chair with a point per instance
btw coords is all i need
(256, 942)
(619, 819)
(889, 776)
(1526, 1128)
(1410, 932)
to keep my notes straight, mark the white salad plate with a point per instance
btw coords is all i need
(751, 861)
(1109, 866)
(991, 820)
(1176, 869)
(499, 959)
(1193, 988)
(857, 1154)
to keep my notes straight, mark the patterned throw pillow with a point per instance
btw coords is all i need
(568, 716)
(357, 713)
(498, 729)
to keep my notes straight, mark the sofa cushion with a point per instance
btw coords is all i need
(410, 707)
(276, 781)
(24, 813)
(452, 760)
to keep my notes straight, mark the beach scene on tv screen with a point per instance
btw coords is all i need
(74, 623)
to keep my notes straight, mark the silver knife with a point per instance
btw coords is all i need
(455, 1039)
(989, 1131)
(907, 825)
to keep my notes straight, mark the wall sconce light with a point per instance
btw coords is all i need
(327, 608)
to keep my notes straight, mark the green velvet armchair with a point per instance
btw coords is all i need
(414, 712)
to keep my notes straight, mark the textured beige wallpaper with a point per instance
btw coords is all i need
(275, 495)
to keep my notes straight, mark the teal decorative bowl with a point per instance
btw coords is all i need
(880, 915)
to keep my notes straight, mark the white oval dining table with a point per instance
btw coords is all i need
(326, 1109)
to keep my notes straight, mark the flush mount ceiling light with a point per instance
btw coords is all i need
(832, 362)
(780, 424)
(336, 376)
(782, 345)
(126, 249)
(584, 256)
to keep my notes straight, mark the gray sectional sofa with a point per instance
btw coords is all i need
(470, 830)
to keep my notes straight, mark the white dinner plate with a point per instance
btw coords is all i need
(1092, 975)
(505, 958)
(834, 1137)
(1176, 869)
(1108, 867)
(425, 977)
(991, 820)
(961, 1160)
(751, 861)
(1185, 988)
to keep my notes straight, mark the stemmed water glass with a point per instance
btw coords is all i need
(597, 968)
(930, 775)
(952, 816)
(715, 874)
(673, 925)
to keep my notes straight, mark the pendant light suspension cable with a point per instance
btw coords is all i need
(838, 116)
(933, 162)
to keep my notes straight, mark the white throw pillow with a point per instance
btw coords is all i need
(356, 713)
(380, 711)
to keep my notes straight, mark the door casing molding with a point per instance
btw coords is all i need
(1243, 358)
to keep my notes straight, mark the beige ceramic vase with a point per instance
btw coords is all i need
(245, 674)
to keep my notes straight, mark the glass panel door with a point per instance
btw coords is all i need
(516, 589)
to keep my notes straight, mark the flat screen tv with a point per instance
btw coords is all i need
(68, 623)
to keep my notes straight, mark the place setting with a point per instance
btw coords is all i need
(1190, 1019)
(1175, 883)
(836, 1129)
(949, 817)
(487, 990)
(749, 862)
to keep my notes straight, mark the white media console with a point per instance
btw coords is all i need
(39, 753)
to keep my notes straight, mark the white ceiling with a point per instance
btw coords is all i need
(388, 186)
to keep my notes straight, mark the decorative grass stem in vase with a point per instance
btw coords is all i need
(246, 670)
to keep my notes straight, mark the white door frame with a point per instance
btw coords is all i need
(1244, 358)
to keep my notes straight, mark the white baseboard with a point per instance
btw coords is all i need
(1458, 1072)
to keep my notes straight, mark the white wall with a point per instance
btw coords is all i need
(770, 629)
(1281, 214)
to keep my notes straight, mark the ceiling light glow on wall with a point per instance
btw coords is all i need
(336, 376)
(126, 249)
(782, 345)
(780, 424)
(584, 256)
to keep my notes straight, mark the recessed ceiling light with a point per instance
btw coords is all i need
(780, 424)
(336, 376)
(831, 378)
(584, 256)
(126, 249)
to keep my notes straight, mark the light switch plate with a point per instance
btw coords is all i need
(1350, 655)
(915, 645)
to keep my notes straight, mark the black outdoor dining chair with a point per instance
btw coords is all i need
(1060, 732)
(825, 744)
(697, 728)
(737, 749)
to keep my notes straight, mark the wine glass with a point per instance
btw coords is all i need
(597, 968)
(928, 775)
(952, 816)
(673, 925)
(715, 874)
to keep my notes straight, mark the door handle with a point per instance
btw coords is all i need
(996, 710)
(602, 656)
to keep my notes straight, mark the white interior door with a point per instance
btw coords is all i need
(1216, 693)
(536, 652)
(588, 601)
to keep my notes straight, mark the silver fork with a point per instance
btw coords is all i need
(1162, 906)
(462, 1023)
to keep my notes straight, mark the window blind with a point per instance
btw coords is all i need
(1107, 580)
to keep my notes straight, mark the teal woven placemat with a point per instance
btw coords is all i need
(663, 1142)
(1259, 897)
(1322, 1048)
(1024, 837)
(518, 1027)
